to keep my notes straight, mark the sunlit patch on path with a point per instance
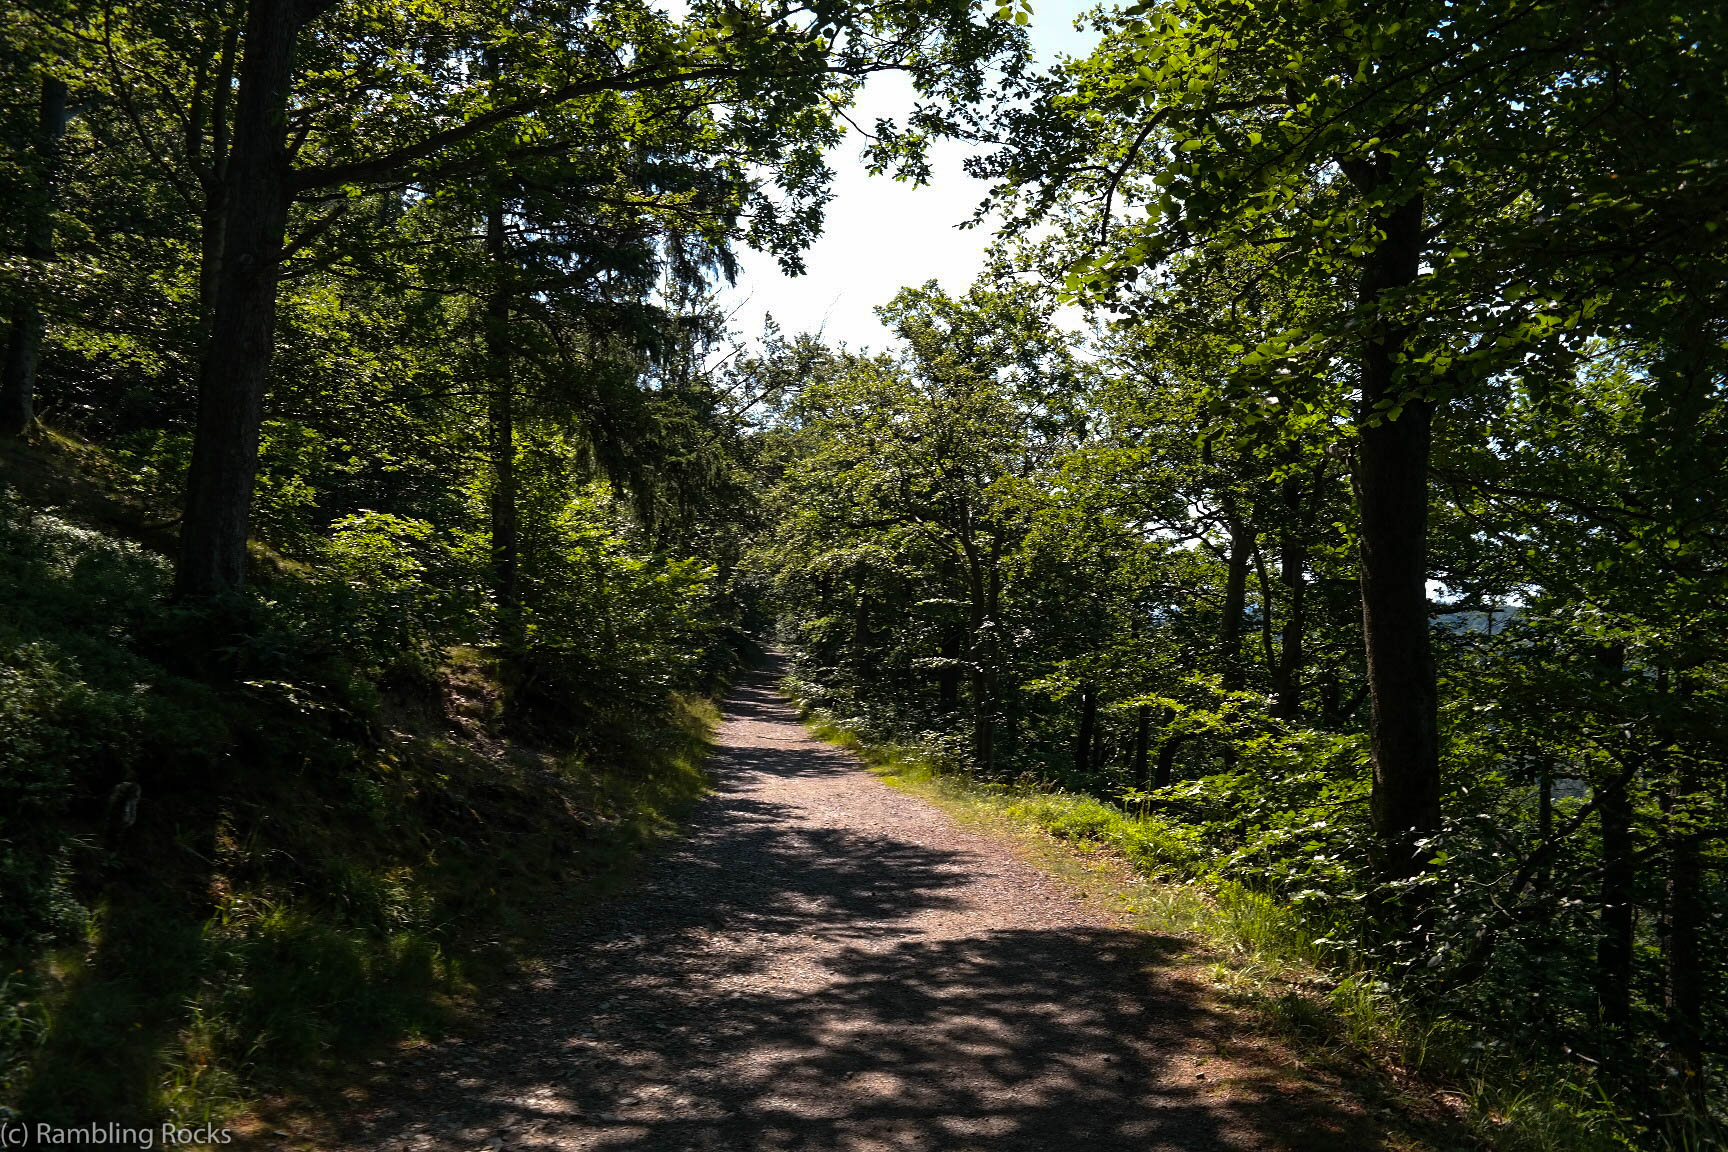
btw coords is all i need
(827, 963)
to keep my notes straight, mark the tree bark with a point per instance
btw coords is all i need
(1292, 568)
(1683, 972)
(236, 359)
(1142, 743)
(1167, 759)
(213, 177)
(1392, 498)
(506, 559)
(1544, 810)
(1235, 597)
(1084, 737)
(986, 591)
(1614, 917)
(24, 347)
(860, 620)
(983, 722)
(948, 675)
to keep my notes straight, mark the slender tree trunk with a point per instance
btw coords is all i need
(1167, 759)
(1084, 737)
(1142, 744)
(1392, 497)
(1615, 923)
(1614, 918)
(1544, 810)
(236, 359)
(1292, 569)
(1331, 698)
(1683, 983)
(860, 620)
(948, 676)
(986, 599)
(24, 347)
(506, 559)
(983, 722)
(1236, 566)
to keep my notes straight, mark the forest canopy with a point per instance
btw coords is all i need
(1328, 474)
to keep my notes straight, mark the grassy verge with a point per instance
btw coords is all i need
(1265, 961)
(318, 920)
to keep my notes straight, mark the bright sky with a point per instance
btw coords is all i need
(882, 235)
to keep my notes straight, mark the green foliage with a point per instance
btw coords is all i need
(1183, 683)
(316, 867)
(408, 594)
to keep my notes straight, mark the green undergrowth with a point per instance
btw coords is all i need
(232, 871)
(1264, 958)
(303, 922)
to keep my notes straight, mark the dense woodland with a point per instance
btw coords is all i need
(1330, 470)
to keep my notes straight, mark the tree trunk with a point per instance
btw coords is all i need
(236, 360)
(1142, 743)
(860, 620)
(506, 560)
(1392, 497)
(948, 676)
(24, 347)
(1084, 737)
(213, 219)
(1615, 925)
(1292, 567)
(1167, 759)
(1683, 983)
(1235, 597)
(1614, 918)
(986, 592)
(1544, 811)
(983, 722)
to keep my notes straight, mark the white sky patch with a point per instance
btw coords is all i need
(881, 235)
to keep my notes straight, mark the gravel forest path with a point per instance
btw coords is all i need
(826, 963)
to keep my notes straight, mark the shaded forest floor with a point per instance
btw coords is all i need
(238, 870)
(830, 963)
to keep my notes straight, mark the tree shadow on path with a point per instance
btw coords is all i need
(774, 983)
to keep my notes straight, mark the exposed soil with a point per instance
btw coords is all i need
(827, 963)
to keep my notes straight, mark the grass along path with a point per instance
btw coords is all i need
(1262, 965)
(829, 963)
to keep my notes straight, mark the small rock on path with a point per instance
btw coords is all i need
(829, 964)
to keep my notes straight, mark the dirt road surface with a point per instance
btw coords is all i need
(826, 963)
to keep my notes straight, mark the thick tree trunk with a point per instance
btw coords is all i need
(1392, 497)
(1085, 736)
(506, 560)
(213, 219)
(236, 358)
(24, 346)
